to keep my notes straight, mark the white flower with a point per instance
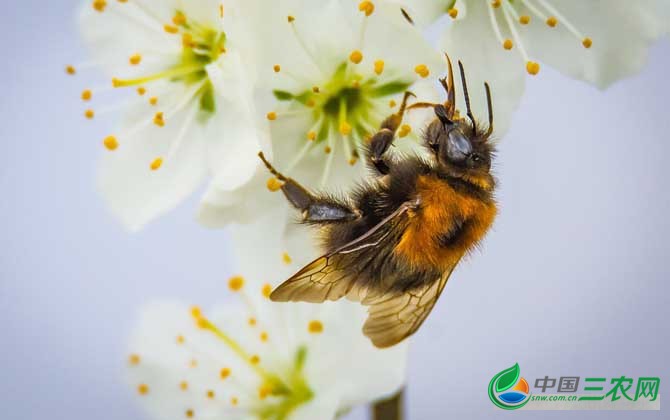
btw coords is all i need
(337, 69)
(187, 100)
(499, 41)
(261, 360)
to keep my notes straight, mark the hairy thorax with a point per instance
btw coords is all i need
(448, 223)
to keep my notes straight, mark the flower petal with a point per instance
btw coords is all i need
(137, 194)
(473, 41)
(125, 29)
(621, 33)
(173, 366)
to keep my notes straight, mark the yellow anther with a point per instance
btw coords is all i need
(353, 160)
(345, 128)
(99, 5)
(142, 389)
(196, 312)
(392, 103)
(453, 13)
(190, 413)
(551, 21)
(187, 40)
(89, 113)
(156, 164)
(153, 100)
(183, 385)
(159, 119)
(266, 290)
(405, 129)
(252, 322)
(236, 283)
(221, 11)
(508, 44)
(311, 136)
(290, 19)
(135, 59)
(255, 359)
(316, 89)
(532, 68)
(202, 323)
(141, 90)
(179, 19)
(271, 116)
(234, 401)
(274, 184)
(315, 327)
(134, 359)
(224, 373)
(70, 70)
(210, 394)
(586, 42)
(264, 336)
(366, 7)
(264, 391)
(86, 95)
(495, 4)
(422, 70)
(327, 150)
(170, 29)
(310, 103)
(356, 56)
(379, 67)
(193, 363)
(286, 258)
(277, 68)
(524, 19)
(180, 339)
(122, 1)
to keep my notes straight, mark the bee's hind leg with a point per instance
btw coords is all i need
(314, 209)
(383, 139)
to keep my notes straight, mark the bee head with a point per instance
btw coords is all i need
(460, 146)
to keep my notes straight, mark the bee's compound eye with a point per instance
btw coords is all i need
(476, 158)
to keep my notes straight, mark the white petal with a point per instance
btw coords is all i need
(621, 33)
(322, 407)
(423, 12)
(407, 49)
(165, 362)
(135, 193)
(473, 41)
(343, 359)
(125, 29)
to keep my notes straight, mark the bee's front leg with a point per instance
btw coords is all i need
(314, 209)
(382, 140)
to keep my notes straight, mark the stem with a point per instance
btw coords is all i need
(390, 409)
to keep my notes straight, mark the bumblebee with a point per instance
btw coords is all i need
(394, 242)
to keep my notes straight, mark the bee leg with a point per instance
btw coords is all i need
(314, 209)
(383, 139)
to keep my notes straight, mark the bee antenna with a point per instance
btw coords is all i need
(489, 103)
(449, 87)
(467, 97)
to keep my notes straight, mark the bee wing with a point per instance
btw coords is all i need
(395, 316)
(327, 277)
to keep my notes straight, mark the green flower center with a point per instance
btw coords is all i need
(201, 46)
(348, 102)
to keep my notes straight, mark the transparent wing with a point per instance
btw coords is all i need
(394, 317)
(330, 277)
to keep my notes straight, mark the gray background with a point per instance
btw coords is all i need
(573, 279)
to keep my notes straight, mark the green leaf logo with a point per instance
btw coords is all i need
(504, 381)
(507, 378)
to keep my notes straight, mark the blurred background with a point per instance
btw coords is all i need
(572, 281)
